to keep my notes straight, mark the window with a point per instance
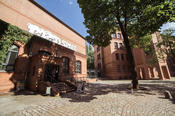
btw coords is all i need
(124, 68)
(119, 35)
(114, 35)
(65, 65)
(117, 56)
(115, 45)
(122, 56)
(128, 68)
(78, 67)
(118, 68)
(98, 56)
(121, 45)
(127, 57)
(99, 66)
(9, 62)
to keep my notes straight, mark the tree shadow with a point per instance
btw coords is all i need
(25, 92)
(95, 89)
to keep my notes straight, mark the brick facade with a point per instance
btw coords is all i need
(16, 12)
(110, 67)
(110, 64)
(144, 69)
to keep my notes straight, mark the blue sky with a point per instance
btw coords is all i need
(70, 13)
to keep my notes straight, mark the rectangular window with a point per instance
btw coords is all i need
(78, 67)
(128, 68)
(98, 57)
(115, 45)
(117, 56)
(121, 45)
(65, 65)
(10, 59)
(118, 68)
(99, 66)
(124, 68)
(122, 56)
(119, 35)
(127, 58)
(114, 35)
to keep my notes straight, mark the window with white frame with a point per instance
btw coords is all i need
(78, 67)
(11, 56)
(119, 35)
(114, 35)
(115, 45)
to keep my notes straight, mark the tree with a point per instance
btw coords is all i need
(90, 54)
(135, 18)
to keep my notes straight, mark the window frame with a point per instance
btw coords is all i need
(121, 45)
(117, 56)
(122, 57)
(119, 35)
(116, 45)
(78, 71)
(66, 66)
(114, 35)
(124, 68)
(99, 66)
(118, 68)
(5, 64)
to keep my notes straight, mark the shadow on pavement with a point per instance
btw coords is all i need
(25, 92)
(94, 89)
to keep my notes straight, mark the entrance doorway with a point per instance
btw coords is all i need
(51, 73)
(165, 72)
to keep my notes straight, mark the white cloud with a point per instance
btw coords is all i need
(168, 25)
(70, 2)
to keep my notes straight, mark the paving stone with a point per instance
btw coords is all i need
(99, 100)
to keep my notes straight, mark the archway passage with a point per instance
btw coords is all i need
(165, 72)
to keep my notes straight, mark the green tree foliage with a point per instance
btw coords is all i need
(90, 54)
(9, 34)
(132, 17)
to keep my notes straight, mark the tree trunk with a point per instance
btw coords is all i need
(135, 83)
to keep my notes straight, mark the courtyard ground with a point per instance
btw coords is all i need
(101, 98)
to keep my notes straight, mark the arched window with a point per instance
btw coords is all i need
(65, 65)
(9, 62)
(78, 67)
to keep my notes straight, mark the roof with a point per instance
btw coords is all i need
(39, 6)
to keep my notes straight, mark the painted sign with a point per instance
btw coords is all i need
(49, 36)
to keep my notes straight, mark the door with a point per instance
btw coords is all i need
(51, 73)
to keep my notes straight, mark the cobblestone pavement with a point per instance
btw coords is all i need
(105, 98)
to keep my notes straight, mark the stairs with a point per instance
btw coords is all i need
(62, 87)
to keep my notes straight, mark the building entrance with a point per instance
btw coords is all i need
(51, 73)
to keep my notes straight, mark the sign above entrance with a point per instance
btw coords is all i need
(49, 36)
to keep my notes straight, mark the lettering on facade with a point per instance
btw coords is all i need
(49, 36)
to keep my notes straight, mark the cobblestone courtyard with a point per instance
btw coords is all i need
(101, 98)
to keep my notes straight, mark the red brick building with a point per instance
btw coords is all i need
(112, 61)
(55, 47)
(145, 69)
